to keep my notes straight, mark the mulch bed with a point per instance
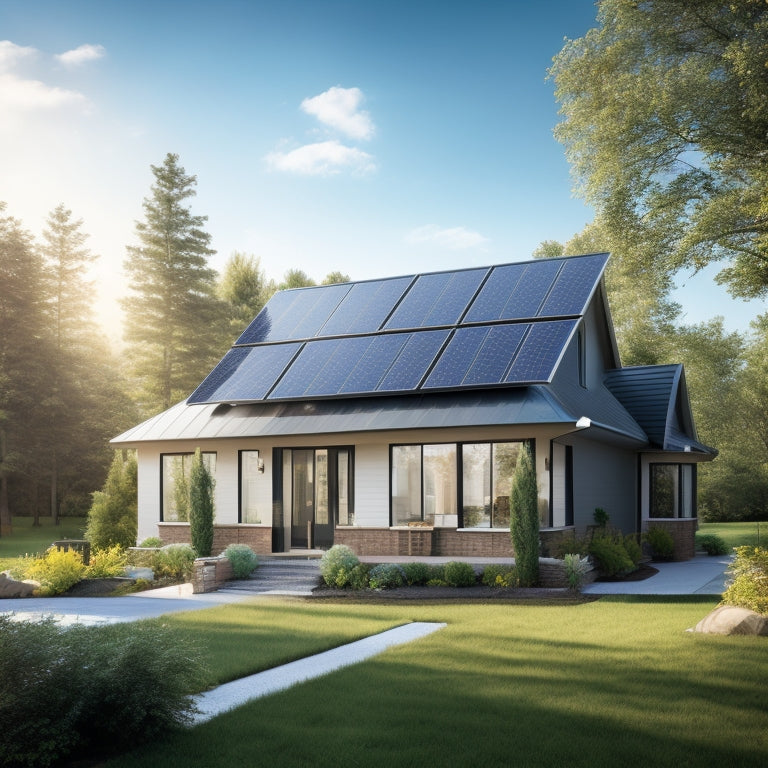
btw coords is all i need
(644, 571)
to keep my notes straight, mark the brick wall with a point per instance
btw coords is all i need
(453, 543)
(258, 538)
(683, 532)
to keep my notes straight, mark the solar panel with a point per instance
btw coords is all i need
(365, 307)
(413, 361)
(437, 299)
(294, 314)
(245, 373)
(490, 302)
(540, 351)
(573, 286)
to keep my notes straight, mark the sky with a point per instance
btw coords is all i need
(376, 137)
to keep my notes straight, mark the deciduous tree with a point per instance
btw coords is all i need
(666, 126)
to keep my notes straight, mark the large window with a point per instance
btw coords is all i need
(673, 490)
(174, 480)
(453, 485)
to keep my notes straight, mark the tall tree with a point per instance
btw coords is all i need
(245, 289)
(201, 506)
(524, 518)
(666, 127)
(296, 278)
(23, 353)
(173, 323)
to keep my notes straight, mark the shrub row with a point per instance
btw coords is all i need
(341, 568)
(90, 690)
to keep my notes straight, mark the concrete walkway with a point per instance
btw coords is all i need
(704, 575)
(239, 692)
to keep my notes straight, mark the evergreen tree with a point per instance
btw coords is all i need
(113, 517)
(24, 351)
(524, 518)
(244, 287)
(201, 510)
(173, 319)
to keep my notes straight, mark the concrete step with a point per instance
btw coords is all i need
(280, 576)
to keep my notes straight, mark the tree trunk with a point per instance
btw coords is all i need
(6, 527)
(36, 505)
(54, 489)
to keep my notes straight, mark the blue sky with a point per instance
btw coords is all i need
(375, 138)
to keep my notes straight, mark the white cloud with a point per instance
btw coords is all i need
(16, 93)
(454, 238)
(338, 108)
(81, 55)
(324, 158)
(11, 54)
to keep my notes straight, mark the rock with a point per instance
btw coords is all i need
(730, 620)
(11, 588)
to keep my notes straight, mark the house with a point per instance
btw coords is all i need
(388, 415)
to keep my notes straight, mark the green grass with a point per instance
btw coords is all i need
(738, 534)
(29, 540)
(611, 682)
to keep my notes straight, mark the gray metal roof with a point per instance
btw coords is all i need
(657, 399)
(527, 405)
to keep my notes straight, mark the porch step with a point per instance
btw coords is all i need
(280, 576)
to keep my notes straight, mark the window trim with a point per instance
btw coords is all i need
(162, 476)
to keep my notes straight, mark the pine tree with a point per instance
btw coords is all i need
(174, 322)
(24, 352)
(113, 517)
(244, 287)
(201, 506)
(524, 518)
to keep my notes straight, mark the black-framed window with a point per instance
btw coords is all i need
(672, 490)
(175, 469)
(453, 484)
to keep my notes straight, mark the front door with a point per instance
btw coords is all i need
(320, 485)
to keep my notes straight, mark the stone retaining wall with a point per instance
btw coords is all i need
(210, 573)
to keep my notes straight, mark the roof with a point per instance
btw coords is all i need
(657, 399)
(490, 327)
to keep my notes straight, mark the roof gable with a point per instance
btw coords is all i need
(500, 326)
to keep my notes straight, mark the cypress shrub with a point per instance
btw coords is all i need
(524, 518)
(201, 506)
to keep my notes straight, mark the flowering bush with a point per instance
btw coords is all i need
(748, 582)
(497, 575)
(107, 563)
(56, 571)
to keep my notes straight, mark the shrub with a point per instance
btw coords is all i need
(571, 544)
(359, 576)
(497, 575)
(458, 574)
(98, 688)
(386, 576)
(174, 561)
(576, 567)
(56, 571)
(712, 544)
(524, 518)
(107, 563)
(416, 574)
(152, 541)
(437, 576)
(201, 506)
(660, 541)
(601, 517)
(336, 564)
(113, 517)
(609, 555)
(243, 559)
(633, 548)
(748, 582)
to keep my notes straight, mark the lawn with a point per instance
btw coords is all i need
(28, 539)
(738, 534)
(611, 682)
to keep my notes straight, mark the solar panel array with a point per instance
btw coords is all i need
(506, 325)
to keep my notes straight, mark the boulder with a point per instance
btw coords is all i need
(11, 588)
(730, 620)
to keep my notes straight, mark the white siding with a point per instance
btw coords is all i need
(372, 485)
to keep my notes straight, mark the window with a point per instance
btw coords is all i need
(174, 484)
(432, 482)
(424, 484)
(672, 490)
(251, 482)
(487, 470)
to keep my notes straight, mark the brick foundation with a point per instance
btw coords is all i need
(683, 532)
(257, 537)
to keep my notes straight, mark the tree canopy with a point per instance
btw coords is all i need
(666, 126)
